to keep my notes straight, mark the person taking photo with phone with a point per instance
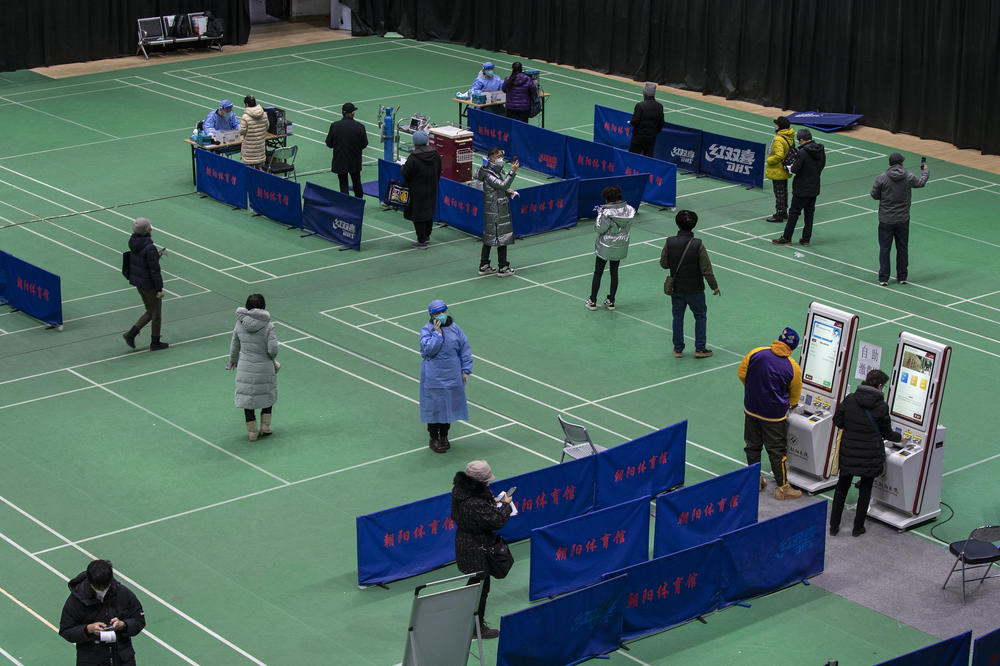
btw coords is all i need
(892, 190)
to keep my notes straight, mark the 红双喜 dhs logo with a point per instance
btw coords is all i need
(348, 229)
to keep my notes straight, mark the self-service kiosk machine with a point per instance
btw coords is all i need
(909, 492)
(827, 352)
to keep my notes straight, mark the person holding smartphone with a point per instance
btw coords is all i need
(498, 228)
(101, 616)
(444, 371)
(892, 189)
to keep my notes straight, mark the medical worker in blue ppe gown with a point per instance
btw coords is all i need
(444, 372)
(222, 119)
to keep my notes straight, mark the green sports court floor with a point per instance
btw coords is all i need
(245, 552)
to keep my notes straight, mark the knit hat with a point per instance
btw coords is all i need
(225, 104)
(487, 65)
(649, 90)
(895, 158)
(348, 108)
(141, 226)
(436, 306)
(782, 122)
(480, 471)
(804, 135)
(420, 138)
(789, 337)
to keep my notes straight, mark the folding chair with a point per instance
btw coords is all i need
(577, 442)
(975, 552)
(282, 162)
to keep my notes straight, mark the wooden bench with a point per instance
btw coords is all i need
(155, 31)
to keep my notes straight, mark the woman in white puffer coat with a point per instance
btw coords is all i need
(252, 353)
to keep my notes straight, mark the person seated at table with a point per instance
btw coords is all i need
(222, 119)
(487, 81)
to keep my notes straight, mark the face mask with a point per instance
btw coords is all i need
(488, 73)
(442, 318)
(497, 163)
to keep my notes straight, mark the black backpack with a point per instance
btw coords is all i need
(182, 26)
(216, 28)
(790, 157)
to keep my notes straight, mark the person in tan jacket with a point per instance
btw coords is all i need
(253, 130)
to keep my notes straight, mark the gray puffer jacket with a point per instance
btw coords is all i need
(498, 228)
(253, 350)
(612, 226)
(892, 189)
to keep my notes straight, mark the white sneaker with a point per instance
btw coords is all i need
(486, 269)
(505, 271)
(589, 304)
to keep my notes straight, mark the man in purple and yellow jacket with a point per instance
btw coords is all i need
(772, 383)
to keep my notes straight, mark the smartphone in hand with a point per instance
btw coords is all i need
(510, 493)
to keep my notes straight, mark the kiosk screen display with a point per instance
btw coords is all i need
(821, 356)
(909, 401)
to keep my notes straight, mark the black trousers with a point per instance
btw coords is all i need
(807, 207)
(355, 179)
(482, 597)
(780, 198)
(484, 256)
(840, 497)
(887, 234)
(249, 415)
(518, 114)
(423, 230)
(772, 435)
(642, 146)
(438, 430)
(595, 284)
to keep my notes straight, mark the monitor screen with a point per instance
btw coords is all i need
(909, 400)
(820, 362)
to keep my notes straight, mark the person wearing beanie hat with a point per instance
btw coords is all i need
(772, 384)
(221, 119)
(647, 121)
(421, 174)
(774, 166)
(444, 372)
(477, 515)
(808, 163)
(348, 138)
(144, 274)
(892, 190)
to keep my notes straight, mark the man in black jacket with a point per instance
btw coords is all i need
(808, 165)
(687, 260)
(144, 274)
(646, 122)
(101, 616)
(348, 138)
(421, 173)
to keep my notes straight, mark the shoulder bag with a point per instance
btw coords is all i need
(127, 264)
(668, 284)
(499, 559)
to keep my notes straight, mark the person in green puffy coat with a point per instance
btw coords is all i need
(252, 353)
(614, 219)
(498, 227)
(774, 168)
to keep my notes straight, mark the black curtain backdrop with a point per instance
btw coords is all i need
(36, 33)
(924, 67)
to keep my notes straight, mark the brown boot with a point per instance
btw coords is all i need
(786, 492)
(252, 430)
(265, 425)
(763, 483)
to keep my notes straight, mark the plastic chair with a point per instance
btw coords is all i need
(975, 552)
(577, 442)
(282, 162)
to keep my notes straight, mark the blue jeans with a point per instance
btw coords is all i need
(696, 302)
(887, 233)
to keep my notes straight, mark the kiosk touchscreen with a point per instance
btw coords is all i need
(909, 491)
(827, 352)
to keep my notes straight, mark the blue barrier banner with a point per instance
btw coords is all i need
(586, 159)
(589, 194)
(405, 540)
(700, 513)
(460, 206)
(952, 651)
(775, 553)
(641, 468)
(549, 495)
(30, 289)
(611, 127)
(573, 553)
(538, 149)
(986, 651)
(671, 590)
(732, 159)
(661, 188)
(544, 207)
(387, 171)
(334, 216)
(567, 630)
(221, 178)
(275, 197)
(489, 129)
(679, 145)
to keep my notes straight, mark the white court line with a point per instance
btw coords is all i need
(178, 427)
(91, 143)
(970, 465)
(10, 657)
(357, 72)
(60, 118)
(132, 582)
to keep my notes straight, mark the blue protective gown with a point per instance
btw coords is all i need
(445, 358)
(213, 123)
(486, 84)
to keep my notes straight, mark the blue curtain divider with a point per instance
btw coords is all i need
(644, 467)
(661, 188)
(544, 208)
(986, 651)
(732, 159)
(221, 178)
(952, 651)
(589, 194)
(538, 149)
(30, 289)
(333, 215)
(489, 130)
(277, 198)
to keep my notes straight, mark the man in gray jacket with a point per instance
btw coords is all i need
(892, 189)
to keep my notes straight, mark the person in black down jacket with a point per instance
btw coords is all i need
(808, 165)
(421, 173)
(518, 87)
(476, 516)
(863, 417)
(348, 138)
(101, 616)
(647, 121)
(144, 274)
